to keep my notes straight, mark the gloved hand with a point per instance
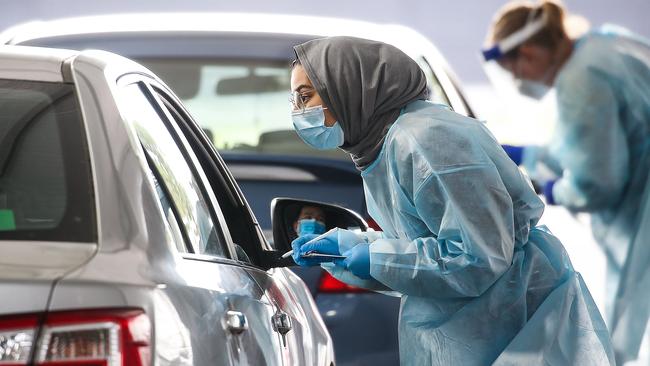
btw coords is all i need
(326, 243)
(515, 153)
(332, 242)
(540, 165)
(357, 261)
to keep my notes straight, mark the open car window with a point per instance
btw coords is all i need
(233, 213)
(175, 176)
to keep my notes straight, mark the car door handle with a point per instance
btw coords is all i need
(281, 323)
(235, 322)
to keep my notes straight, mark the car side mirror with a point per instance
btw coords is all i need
(285, 212)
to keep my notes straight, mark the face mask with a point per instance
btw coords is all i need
(532, 89)
(536, 89)
(310, 226)
(310, 126)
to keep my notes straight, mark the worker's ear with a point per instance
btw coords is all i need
(528, 52)
(536, 54)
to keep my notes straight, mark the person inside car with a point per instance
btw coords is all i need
(310, 220)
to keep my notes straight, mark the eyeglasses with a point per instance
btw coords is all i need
(299, 100)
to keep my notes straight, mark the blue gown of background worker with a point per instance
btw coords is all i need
(480, 283)
(600, 151)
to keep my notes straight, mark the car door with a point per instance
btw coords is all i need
(304, 339)
(229, 317)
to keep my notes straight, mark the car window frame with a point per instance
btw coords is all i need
(221, 228)
(224, 237)
(457, 100)
(422, 61)
(459, 92)
(227, 183)
(196, 167)
(177, 230)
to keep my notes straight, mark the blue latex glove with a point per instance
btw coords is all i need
(515, 153)
(357, 261)
(306, 243)
(548, 192)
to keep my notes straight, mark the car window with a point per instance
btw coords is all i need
(170, 166)
(231, 214)
(169, 211)
(45, 179)
(436, 92)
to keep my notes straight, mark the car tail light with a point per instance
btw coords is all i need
(373, 224)
(17, 338)
(86, 338)
(329, 284)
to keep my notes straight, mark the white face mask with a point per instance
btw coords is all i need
(536, 89)
(309, 124)
(532, 89)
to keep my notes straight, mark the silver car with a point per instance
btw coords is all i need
(124, 239)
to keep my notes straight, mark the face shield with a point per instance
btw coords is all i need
(510, 101)
(504, 81)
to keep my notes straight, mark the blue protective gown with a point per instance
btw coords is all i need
(479, 282)
(602, 143)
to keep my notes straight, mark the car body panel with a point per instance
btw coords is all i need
(303, 326)
(42, 260)
(23, 296)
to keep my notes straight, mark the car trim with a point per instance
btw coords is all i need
(221, 260)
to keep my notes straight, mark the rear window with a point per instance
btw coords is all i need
(45, 180)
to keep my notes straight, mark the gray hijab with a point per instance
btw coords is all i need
(364, 84)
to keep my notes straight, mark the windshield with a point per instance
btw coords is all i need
(242, 105)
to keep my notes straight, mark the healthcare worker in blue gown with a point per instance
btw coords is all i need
(480, 282)
(599, 155)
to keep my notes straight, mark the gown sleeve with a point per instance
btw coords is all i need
(591, 145)
(469, 215)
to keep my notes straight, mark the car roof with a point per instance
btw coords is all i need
(190, 22)
(46, 64)
(234, 36)
(305, 27)
(33, 63)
